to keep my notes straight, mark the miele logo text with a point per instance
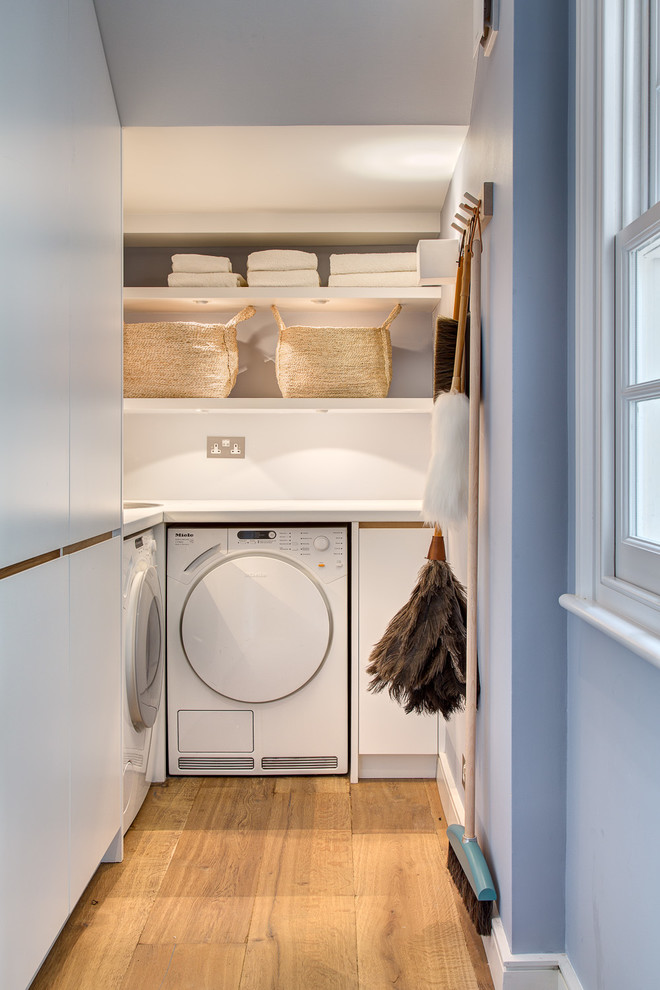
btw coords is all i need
(184, 534)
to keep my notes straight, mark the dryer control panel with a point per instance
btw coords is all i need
(323, 549)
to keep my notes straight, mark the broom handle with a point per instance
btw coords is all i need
(471, 675)
(462, 320)
(459, 278)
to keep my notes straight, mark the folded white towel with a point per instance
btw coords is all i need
(200, 263)
(377, 279)
(201, 280)
(386, 261)
(281, 261)
(305, 276)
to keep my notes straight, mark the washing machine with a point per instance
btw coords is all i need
(144, 664)
(257, 649)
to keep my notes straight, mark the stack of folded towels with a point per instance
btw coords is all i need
(200, 270)
(385, 269)
(279, 268)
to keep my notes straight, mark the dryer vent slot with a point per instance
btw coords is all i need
(299, 763)
(209, 764)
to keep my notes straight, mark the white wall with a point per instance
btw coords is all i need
(297, 455)
(517, 139)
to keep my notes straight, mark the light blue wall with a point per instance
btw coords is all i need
(518, 139)
(613, 867)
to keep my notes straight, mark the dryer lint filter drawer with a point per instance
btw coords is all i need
(216, 731)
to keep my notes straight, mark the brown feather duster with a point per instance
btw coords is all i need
(421, 656)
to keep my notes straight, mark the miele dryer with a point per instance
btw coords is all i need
(257, 641)
(144, 662)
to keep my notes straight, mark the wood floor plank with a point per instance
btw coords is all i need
(384, 863)
(95, 951)
(405, 943)
(167, 805)
(326, 783)
(187, 920)
(215, 864)
(307, 809)
(232, 804)
(301, 944)
(391, 806)
(304, 862)
(185, 967)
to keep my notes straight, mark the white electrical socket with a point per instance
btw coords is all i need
(227, 447)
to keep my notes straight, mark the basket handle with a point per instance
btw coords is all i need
(276, 314)
(395, 312)
(244, 314)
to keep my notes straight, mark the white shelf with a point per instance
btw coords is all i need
(145, 299)
(279, 405)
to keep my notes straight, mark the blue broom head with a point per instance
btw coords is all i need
(473, 863)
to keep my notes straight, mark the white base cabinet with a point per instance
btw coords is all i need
(60, 717)
(390, 742)
(95, 707)
(34, 729)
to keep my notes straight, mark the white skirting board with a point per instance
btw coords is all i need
(524, 971)
(404, 767)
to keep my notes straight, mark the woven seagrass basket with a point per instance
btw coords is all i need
(334, 362)
(181, 360)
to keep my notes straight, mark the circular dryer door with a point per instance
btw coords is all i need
(144, 660)
(256, 628)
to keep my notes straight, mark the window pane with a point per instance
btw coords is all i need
(647, 470)
(647, 329)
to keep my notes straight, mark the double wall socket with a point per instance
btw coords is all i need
(227, 447)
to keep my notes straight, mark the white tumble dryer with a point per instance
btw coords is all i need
(144, 663)
(257, 649)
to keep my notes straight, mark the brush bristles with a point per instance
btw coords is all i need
(480, 912)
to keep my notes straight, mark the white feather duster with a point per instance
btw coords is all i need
(446, 491)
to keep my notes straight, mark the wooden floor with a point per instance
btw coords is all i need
(296, 883)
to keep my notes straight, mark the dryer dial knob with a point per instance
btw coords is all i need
(321, 543)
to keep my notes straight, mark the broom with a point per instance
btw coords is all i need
(421, 656)
(465, 860)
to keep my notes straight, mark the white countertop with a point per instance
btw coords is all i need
(151, 512)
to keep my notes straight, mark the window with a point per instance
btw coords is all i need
(617, 315)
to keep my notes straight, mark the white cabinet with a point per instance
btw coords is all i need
(60, 241)
(95, 251)
(34, 774)
(34, 355)
(390, 742)
(94, 707)
(60, 697)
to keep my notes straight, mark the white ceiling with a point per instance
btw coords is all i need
(258, 106)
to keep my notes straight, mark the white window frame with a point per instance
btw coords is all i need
(610, 190)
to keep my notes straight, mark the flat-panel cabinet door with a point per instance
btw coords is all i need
(35, 170)
(390, 560)
(95, 707)
(34, 771)
(95, 278)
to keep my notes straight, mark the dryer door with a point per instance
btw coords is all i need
(256, 628)
(144, 654)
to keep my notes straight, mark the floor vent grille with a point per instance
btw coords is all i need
(211, 763)
(299, 763)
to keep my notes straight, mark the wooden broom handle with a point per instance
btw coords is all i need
(471, 675)
(462, 319)
(459, 278)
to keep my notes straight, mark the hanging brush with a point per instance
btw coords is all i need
(465, 860)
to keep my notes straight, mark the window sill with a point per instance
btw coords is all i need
(640, 641)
